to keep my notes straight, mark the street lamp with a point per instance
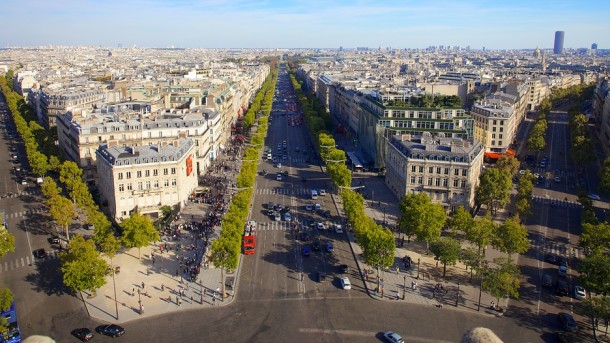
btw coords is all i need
(457, 296)
(404, 287)
(418, 260)
(480, 291)
(116, 302)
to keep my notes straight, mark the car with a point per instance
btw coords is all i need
(392, 337)
(594, 197)
(17, 168)
(562, 271)
(278, 177)
(111, 330)
(277, 217)
(13, 149)
(39, 253)
(270, 205)
(321, 226)
(321, 276)
(53, 240)
(551, 258)
(284, 157)
(309, 207)
(306, 250)
(338, 228)
(568, 322)
(297, 149)
(557, 179)
(287, 217)
(316, 244)
(278, 165)
(563, 288)
(345, 284)
(83, 334)
(580, 293)
(329, 247)
(24, 182)
(317, 207)
(344, 268)
(547, 281)
(322, 192)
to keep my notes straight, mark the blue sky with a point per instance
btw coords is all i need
(313, 23)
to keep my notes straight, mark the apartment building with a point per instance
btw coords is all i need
(600, 114)
(495, 124)
(53, 103)
(130, 124)
(145, 178)
(447, 169)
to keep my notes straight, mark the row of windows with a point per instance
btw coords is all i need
(142, 185)
(155, 172)
(438, 182)
(439, 170)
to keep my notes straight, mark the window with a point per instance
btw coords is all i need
(412, 179)
(173, 182)
(139, 185)
(156, 183)
(421, 169)
(445, 182)
(456, 172)
(463, 183)
(121, 187)
(165, 171)
(464, 172)
(155, 172)
(166, 183)
(128, 175)
(455, 183)
(147, 173)
(173, 171)
(147, 184)
(120, 176)
(413, 169)
(420, 180)
(430, 170)
(437, 182)
(438, 170)
(429, 181)
(129, 187)
(139, 174)
(446, 171)
(123, 213)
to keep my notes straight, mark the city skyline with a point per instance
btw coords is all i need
(300, 24)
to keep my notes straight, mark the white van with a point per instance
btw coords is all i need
(314, 194)
(269, 157)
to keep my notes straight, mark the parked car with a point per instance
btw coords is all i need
(562, 288)
(111, 330)
(562, 271)
(547, 281)
(321, 276)
(345, 284)
(40, 253)
(329, 247)
(594, 197)
(338, 228)
(344, 268)
(287, 216)
(306, 250)
(309, 207)
(568, 322)
(580, 293)
(322, 192)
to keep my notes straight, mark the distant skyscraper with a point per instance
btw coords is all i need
(558, 47)
(594, 46)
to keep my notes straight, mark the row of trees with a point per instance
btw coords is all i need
(335, 160)
(226, 249)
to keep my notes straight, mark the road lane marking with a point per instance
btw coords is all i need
(367, 334)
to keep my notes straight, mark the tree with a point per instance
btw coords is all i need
(224, 255)
(420, 217)
(6, 299)
(82, 266)
(595, 272)
(39, 163)
(7, 241)
(472, 258)
(69, 174)
(482, 233)
(509, 164)
(50, 189)
(494, 189)
(503, 280)
(63, 212)
(54, 163)
(595, 238)
(598, 308)
(446, 250)
(460, 220)
(138, 232)
(511, 237)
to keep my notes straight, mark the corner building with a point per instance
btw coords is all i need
(145, 178)
(448, 169)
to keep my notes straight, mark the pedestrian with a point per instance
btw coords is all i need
(397, 295)
(133, 292)
(153, 260)
(162, 287)
(142, 285)
(397, 270)
(191, 299)
(214, 301)
(493, 305)
(180, 302)
(141, 309)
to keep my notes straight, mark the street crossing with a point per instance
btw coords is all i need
(15, 195)
(283, 191)
(556, 202)
(21, 262)
(273, 226)
(25, 213)
(561, 249)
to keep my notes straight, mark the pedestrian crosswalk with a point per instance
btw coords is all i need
(25, 213)
(555, 202)
(561, 249)
(15, 195)
(283, 191)
(21, 262)
(273, 226)
(557, 172)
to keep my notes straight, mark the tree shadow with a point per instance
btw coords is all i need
(46, 279)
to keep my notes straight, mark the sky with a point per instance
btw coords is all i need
(493, 24)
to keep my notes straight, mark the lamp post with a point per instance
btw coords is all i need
(418, 260)
(116, 302)
(404, 287)
(457, 296)
(480, 291)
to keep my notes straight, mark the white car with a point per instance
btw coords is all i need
(321, 226)
(393, 337)
(318, 207)
(338, 228)
(287, 216)
(322, 192)
(594, 197)
(579, 292)
(279, 177)
(345, 284)
(309, 207)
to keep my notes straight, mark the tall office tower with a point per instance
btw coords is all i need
(558, 47)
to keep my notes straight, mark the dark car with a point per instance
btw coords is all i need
(547, 281)
(111, 330)
(83, 334)
(321, 276)
(563, 288)
(563, 261)
(39, 253)
(568, 322)
(344, 268)
(53, 240)
(551, 258)
(306, 250)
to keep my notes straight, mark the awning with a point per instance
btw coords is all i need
(494, 155)
(511, 152)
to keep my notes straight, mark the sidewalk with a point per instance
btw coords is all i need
(417, 283)
(157, 282)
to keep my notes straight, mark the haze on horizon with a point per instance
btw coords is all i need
(518, 24)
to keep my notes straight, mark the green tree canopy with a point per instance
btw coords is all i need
(50, 189)
(420, 217)
(7, 241)
(378, 247)
(503, 280)
(482, 232)
(138, 232)
(494, 189)
(595, 272)
(511, 237)
(63, 212)
(509, 164)
(82, 266)
(6, 298)
(69, 174)
(447, 250)
(595, 238)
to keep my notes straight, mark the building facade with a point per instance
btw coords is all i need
(495, 124)
(447, 169)
(145, 178)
